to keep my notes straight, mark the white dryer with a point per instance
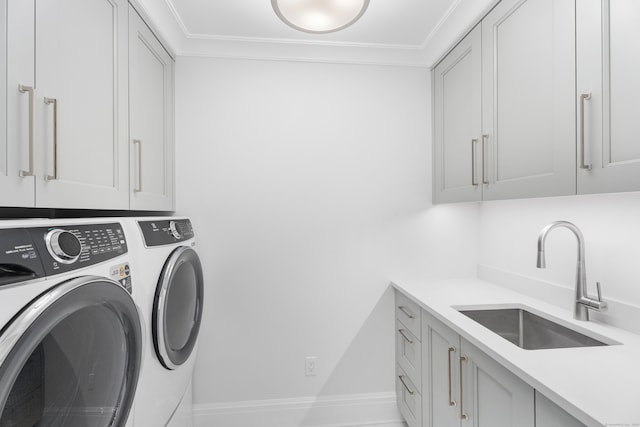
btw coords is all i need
(70, 337)
(170, 292)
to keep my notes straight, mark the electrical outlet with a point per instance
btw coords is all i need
(310, 365)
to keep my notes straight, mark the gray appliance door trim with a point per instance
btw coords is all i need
(27, 330)
(172, 358)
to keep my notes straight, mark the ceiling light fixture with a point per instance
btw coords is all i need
(319, 16)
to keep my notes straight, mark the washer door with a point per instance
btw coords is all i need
(71, 357)
(177, 308)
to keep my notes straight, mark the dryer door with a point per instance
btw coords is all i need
(71, 357)
(177, 308)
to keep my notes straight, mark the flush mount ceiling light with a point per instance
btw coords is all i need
(319, 16)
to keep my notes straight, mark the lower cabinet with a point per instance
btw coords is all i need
(548, 414)
(442, 380)
(463, 386)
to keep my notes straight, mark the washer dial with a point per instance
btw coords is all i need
(63, 246)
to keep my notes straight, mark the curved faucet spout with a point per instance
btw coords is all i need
(583, 301)
(542, 238)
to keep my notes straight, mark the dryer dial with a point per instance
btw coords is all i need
(63, 246)
(174, 228)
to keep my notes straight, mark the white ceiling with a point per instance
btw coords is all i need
(399, 23)
(395, 32)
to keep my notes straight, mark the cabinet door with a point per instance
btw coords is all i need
(151, 119)
(493, 396)
(548, 414)
(17, 80)
(608, 56)
(440, 391)
(81, 104)
(457, 113)
(528, 89)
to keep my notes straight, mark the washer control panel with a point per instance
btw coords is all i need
(67, 248)
(165, 231)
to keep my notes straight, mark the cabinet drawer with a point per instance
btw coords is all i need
(409, 354)
(408, 312)
(408, 398)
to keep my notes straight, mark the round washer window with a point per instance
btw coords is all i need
(71, 357)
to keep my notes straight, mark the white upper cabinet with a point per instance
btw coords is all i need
(457, 117)
(528, 87)
(151, 119)
(81, 104)
(17, 82)
(608, 56)
(504, 110)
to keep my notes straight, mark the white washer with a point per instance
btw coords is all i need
(70, 337)
(171, 287)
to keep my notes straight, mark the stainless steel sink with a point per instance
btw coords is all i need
(529, 331)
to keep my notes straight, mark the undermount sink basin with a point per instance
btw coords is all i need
(530, 331)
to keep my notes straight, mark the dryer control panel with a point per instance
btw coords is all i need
(165, 232)
(66, 248)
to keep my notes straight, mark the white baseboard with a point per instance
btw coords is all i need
(353, 410)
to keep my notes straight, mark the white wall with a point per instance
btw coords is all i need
(309, 185)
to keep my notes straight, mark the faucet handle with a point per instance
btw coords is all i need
(599, 291)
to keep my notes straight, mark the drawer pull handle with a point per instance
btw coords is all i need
(406, 311)
(406, 338)
(463, 416)
(451, 350)
(401, 378)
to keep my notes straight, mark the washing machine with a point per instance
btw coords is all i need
(71, 336)
(170, 284)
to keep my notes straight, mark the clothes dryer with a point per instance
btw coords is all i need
(70, 337)
(171, 288)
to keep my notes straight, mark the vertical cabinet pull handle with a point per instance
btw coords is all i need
(401, 378)
(404, 309)
(29, 90)
(451, 350)
(138, 187)
(474, 142)
(583, 97)
(406, 338)
(485, 180)
(49, 101)
(463, 416)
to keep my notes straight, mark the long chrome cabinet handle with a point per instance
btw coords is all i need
(54, 101)
(138, 188)
(463, 416)
(485, 180)
(29, 90)
(451, 350)
(401, 378)
(404, 309)
(406, 338)
(583, 97)
(474, 142)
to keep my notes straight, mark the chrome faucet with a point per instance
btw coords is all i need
(583, 301)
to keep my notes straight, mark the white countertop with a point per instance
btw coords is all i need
(600, 386)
